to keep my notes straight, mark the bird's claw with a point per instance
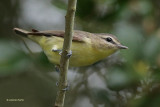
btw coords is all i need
(69, 54)
(60, 52)
(57, 50)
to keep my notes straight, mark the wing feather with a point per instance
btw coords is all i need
(76, 37)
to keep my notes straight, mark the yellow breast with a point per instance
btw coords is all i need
(83, 53)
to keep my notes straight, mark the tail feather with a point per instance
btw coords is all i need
(21, 32)
(28, 34)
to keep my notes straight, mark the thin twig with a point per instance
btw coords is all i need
(64, 62)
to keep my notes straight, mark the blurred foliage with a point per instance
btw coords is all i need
(129, 78)
(8, 16)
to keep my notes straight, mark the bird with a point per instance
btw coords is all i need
(87, 48)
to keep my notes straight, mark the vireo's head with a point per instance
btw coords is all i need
(110, 42)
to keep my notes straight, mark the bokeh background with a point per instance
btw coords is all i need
(129, 78)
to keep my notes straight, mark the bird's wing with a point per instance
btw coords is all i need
(78, 35)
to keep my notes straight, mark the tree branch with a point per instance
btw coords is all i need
(64, 61)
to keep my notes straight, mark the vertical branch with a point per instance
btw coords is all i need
(64, 61)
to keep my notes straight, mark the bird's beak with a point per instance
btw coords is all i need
(122, 47)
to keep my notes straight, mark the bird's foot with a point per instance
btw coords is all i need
(57, 50)
(69, 54)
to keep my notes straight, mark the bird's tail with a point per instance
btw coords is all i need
(28, 34)
(21, 32)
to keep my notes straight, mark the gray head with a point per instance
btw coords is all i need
(111, 41)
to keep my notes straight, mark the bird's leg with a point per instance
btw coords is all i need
(60, 52)
(57, 50)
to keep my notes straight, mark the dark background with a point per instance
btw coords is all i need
(129, 78)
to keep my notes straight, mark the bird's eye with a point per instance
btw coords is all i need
(109, 39)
